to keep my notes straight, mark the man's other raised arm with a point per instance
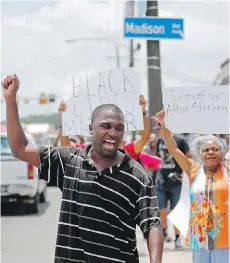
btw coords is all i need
(16, 136)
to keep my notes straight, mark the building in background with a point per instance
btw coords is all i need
(223, 77)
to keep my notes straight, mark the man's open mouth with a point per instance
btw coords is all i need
(109, 144)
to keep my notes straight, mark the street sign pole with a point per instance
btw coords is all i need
(153, 28)
(154, 68)
(130, 6)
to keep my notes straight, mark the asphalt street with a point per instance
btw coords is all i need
(29, 238)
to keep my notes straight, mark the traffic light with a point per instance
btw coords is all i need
(52, 98)
(42, 99)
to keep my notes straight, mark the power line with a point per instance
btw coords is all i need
(191, 78)
(172, 77)
(202, 81)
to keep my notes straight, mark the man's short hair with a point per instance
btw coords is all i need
(106, 107)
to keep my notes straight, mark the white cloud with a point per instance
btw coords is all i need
(204, 47)
(33, 43)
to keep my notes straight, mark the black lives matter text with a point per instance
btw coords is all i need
(90, 90)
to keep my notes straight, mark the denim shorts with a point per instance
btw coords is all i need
(217, 255)
(164, 195)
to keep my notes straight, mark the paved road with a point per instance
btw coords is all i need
(31, 238)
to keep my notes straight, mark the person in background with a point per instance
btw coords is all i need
(223, 141)
(68, 140)
(133, 148)
(209, 176)
(227, 152)
(73, 141)
(169, 181)
(78, 141)
(151, 148)
(105, 193)
(189, 137)
(156, 127)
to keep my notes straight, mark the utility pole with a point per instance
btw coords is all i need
(131, 64)
(131, 54)
(130, 12)
(154, 67)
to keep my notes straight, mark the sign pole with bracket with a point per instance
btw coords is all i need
(154, 68)
(153, 28)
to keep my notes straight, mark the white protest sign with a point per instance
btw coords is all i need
(179, 216)
(89, 90)
(201, 110)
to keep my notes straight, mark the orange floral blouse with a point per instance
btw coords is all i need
(209, 212)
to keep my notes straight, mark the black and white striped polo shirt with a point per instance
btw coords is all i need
(99, 212)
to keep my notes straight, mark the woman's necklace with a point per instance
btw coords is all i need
(210, 178)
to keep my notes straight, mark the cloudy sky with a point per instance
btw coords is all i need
(34, 33)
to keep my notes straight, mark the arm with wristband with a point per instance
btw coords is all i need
(183, 161)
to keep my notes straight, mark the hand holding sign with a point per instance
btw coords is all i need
(143, 103)
(161, 117)
(62, 107)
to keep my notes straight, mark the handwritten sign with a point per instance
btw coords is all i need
(202, 110)
(89, 90)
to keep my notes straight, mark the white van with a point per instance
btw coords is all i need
(19, 180)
